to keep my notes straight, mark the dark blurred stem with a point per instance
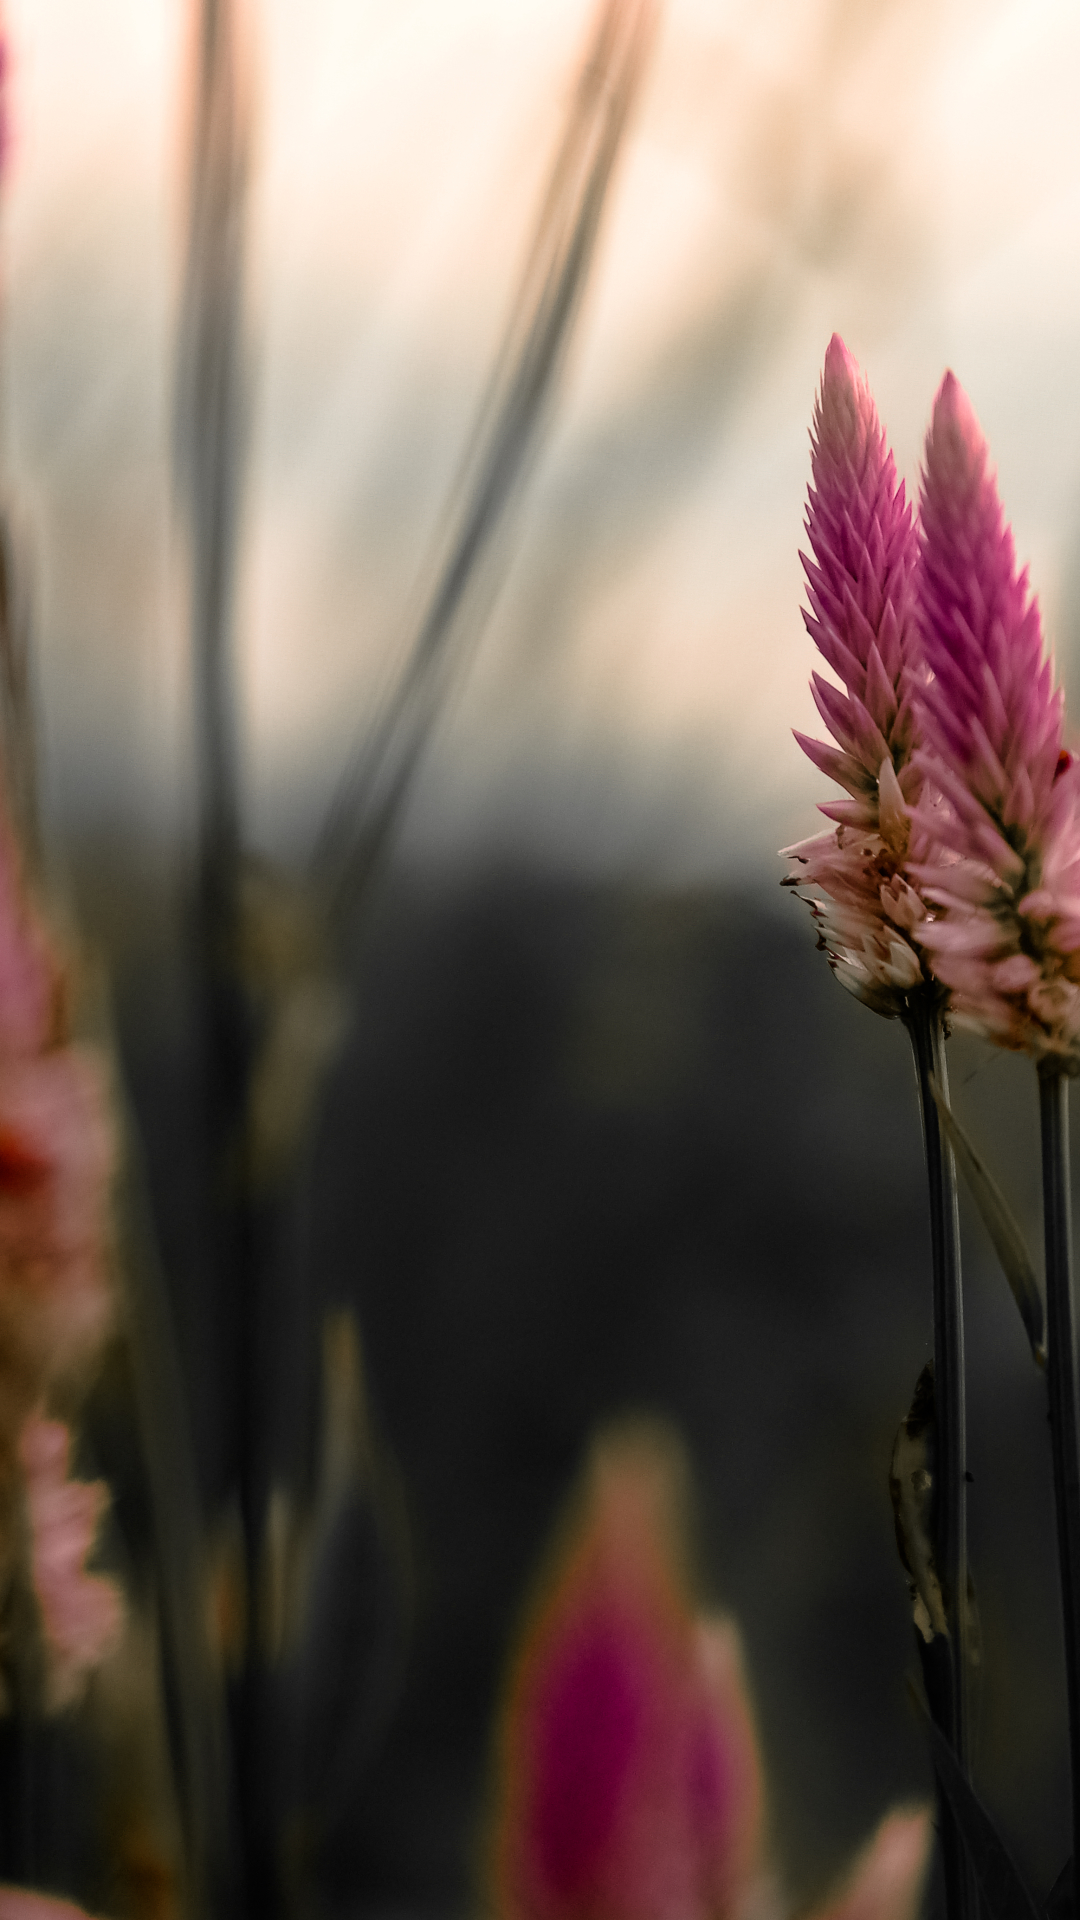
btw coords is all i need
(947, 1676)
(1062, 1385)
(210, 436)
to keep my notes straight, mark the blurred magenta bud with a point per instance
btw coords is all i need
(629, 1783)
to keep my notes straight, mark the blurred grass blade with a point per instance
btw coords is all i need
(376, 781)
(210, 405)
(193, 1697)
(210, 432)
(1002, 1890)
(347, 1617)
(1001, 1225)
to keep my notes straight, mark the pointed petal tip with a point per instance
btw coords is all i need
(846, 422)
(843, 385)
(954, 427)
(839, 363)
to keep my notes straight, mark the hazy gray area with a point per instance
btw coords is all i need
(904, 173)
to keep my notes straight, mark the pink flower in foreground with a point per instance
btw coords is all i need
(55, 1167)
(81, 1613)
(862, 619)
(630, 1785)
(1001, 802)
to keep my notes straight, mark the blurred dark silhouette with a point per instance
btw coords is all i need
(593, 1149)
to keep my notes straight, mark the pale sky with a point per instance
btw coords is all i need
(906, 171)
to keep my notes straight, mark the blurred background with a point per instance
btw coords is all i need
(605, 1135)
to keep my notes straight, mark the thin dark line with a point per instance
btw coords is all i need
(947, 1689)
(1063, 1386)
(373, 788)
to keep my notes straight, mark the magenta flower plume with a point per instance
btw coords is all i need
(861, 596)
(630, 1785)
(862, 619)
(1000, 808)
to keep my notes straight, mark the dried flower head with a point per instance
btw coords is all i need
(999, 812)
(862, 619)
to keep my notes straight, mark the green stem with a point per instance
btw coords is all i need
(947, 1671)
(1063, 1386)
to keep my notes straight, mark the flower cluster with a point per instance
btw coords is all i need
(80, 1611)
(56, 1155)
(955, 861)
(630, 1782)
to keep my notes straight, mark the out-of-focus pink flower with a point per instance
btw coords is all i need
(56, 1159)
(630, 1785)
(1000, 805)
(81, 1613)
(887, 1880)
(629, 1782)
(18, 1903)
(56, 1156)
(862, 619)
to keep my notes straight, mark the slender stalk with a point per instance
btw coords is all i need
(947, 1671)
(1063, 1386)
(211, 412)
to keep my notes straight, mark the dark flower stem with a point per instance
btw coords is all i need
(1063, 1386)
(946, 1668)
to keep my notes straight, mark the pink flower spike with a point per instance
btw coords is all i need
(861, 578)
(999, 818)
(81, 1612)
(862, 619)
(992, 712)
(630, 1785)
(886, 1881)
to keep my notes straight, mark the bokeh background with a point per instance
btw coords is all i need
(606, 1135)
